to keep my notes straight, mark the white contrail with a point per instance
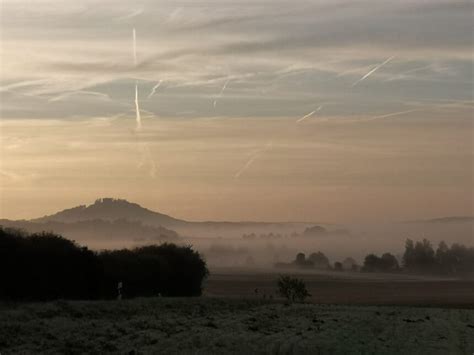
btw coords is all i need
(404, 74)
(220, 93)
(147, 158)
(26, 83)
(373, 71)
(392, 114)
(153, 90)
(247, 164)
(137, 110)
(172, 16)
(79, 92)
(134, 47)
(252, 159)
(137, 106)
(309, 114)
(306, 116)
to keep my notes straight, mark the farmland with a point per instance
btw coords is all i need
(346, 314)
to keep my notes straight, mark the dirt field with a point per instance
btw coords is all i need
(231, 326)
(347, 287)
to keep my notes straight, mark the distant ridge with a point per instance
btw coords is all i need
(111, 209)
(453, 219)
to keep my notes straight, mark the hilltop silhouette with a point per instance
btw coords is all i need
(111, 219)
(110, 209)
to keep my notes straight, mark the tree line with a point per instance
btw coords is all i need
(421, 257)
(46, 266)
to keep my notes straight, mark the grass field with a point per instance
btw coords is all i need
(348, 313)
(220, 326)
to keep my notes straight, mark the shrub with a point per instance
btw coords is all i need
(46, 266)
(293, 289)
(167, 269)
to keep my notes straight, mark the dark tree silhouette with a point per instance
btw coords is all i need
(419, 256)
(293, 289)
(319, 260)
(45, 266)
(301, 261)
(389, 262)
(386, 263)
(166, 269)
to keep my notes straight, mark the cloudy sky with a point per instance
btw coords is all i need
(330, 110)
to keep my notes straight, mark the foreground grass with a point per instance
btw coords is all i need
(221, 326)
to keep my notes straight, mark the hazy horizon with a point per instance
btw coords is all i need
(330, 111)
(335, 223)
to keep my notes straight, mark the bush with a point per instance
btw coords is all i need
(166, 269)
(46, 266)
(292, 289)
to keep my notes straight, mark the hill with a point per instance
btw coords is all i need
(454, 219)
(110, 209)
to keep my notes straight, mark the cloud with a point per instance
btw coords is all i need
(279, 58)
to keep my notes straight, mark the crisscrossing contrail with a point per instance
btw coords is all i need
(373, 71)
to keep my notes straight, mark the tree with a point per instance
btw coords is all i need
(167, 269)
(408, 257)
(458, 259)
(319, 260)
(301, 261)
(388, 262)
(424, 254)
(300, 258)
(419, 256)
(338, 266)
(46, 266)
(293, 289)
(371, 263)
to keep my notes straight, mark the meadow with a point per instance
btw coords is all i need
(238, 321)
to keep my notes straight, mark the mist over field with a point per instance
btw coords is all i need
(113, 223)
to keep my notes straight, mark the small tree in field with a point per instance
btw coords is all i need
(292, 288)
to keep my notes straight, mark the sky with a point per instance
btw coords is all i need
(274, 110)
